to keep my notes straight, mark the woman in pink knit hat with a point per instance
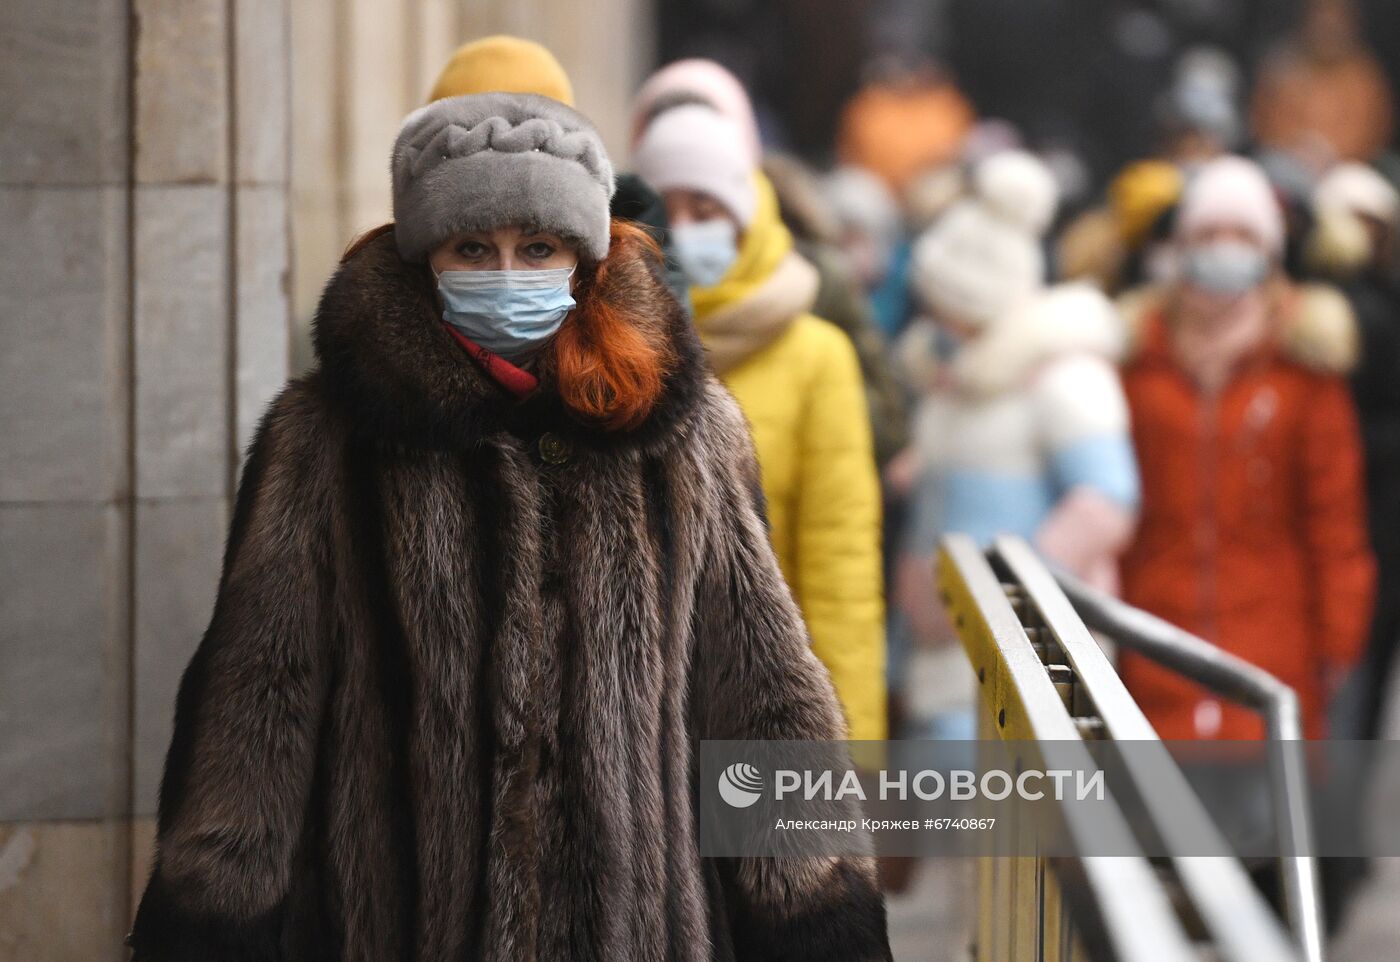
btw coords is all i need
(797, 377)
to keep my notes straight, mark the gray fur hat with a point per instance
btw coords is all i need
(484, 161)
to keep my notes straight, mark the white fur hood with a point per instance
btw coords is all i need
(1071, 318)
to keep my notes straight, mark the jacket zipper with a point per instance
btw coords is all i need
(1208, 533)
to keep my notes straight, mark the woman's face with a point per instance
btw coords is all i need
(692, 207)
(504, 249)
(1214, 233)
(1224, 262)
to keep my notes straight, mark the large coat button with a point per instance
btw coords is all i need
(553, 449)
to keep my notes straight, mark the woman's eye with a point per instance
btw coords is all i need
(472, 250)
(539, 250)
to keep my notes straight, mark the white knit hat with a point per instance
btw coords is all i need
(1355, 188)
(863, 201)
(984, 256)
(693, 147)
(1232, 192)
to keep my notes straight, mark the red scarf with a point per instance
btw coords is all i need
(519, 382)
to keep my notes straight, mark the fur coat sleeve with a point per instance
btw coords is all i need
(758, 679)
(240, 766)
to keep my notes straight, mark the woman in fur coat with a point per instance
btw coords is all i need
(496, 566)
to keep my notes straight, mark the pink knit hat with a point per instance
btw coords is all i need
(1232, 192)
(696, 148)
(699, 80)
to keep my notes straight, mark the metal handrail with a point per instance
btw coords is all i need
(1043, 676)
(1218, 885)
(1231, 677)
(1122, 910)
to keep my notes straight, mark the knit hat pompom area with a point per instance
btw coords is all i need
(484, 161)
(974, 267)
(503, 64)
(1232, 192)
(694, 147)
(983, 257)
(1018, 187)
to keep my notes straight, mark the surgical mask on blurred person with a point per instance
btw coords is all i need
(705, 250)
(1225, 267)
(507, 312)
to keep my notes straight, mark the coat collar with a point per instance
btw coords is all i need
(1071, 318)
(397, 373)
(1314, 327)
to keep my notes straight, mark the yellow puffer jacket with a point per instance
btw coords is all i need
(798, 381)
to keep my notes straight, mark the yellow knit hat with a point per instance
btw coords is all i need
(1142, 193)
(503, 64)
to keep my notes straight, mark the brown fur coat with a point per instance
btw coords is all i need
(462, 654)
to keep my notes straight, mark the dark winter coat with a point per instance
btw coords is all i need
(462, 654)
(635, 200)
(1376, 388)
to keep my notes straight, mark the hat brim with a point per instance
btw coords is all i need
(491, 189)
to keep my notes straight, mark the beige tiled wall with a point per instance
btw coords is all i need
(144, 324)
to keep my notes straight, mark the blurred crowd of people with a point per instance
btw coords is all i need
(1186, 391)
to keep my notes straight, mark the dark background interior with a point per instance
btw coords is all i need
(1082, 73)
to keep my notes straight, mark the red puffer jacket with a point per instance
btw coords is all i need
(1252, 532)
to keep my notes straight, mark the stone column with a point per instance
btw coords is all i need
(145, 324)
(65, 478)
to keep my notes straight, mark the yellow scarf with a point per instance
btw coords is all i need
(766, 243)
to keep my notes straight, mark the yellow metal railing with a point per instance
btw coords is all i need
(1046, 686)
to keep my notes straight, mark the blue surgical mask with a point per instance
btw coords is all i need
(509, 313)
(705, 250)
(1226, 267)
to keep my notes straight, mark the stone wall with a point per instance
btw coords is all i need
(144, 324)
